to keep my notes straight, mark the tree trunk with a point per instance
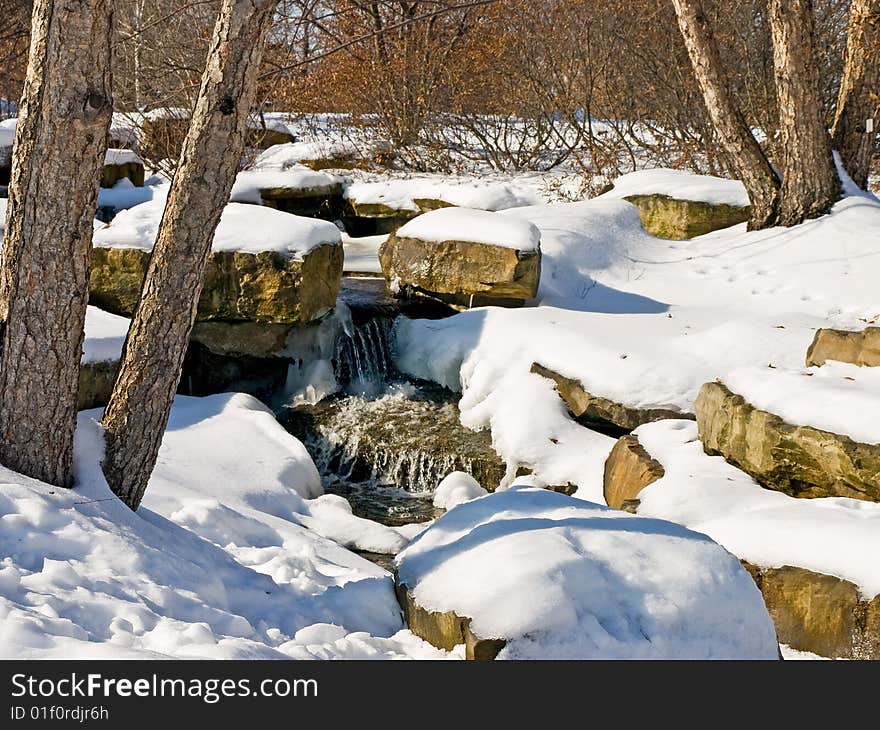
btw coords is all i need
(810, 183)
(859, 98)
(60, 142)
(152, 358)
(743, 151)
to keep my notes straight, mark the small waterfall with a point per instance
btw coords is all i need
(403, 439)
(363, 356)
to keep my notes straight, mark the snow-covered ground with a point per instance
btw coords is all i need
(835, 536)
(644, 322)
(216, 563)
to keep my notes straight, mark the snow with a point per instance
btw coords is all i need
(473, 226)
(124, 194)
(247, 228)
(834, 535)
(104, 336)
(215, 563)
(362, 254)
(282, 156)
(249, 183)
(168, 112)
(400, 193)
(7, 132)
(486, 355)
(121, 157)
(645, 322)
(837, 397)
(457, 488)
(560, 578)
(680, 184)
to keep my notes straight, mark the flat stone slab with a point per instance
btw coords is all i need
(593, 410)
(801, 461)
(667, 217)
(858, 347)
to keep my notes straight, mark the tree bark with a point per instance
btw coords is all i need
(60, 143)
(136, 416)
(859, 98)
(810, 184)
(740, 145)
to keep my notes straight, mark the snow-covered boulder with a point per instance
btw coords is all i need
(265, 266)
(122, 164)
(679, 205)
(861, 347)
(464, 257)
(529, 573)
(595, 410)
(457, 488)
(808, 433)
(277, 182)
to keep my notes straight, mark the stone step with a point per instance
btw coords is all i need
(801, 461)
(677, 219)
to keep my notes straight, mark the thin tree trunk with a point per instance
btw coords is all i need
(60, 143)
(859, 98)
(137, 413)
(743, 151)
(810, 183)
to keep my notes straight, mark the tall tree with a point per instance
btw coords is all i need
(63, 124)
(859, 98)
(743, 150)
(810, 183)
(152, 358)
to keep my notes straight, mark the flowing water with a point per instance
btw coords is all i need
(384, 442)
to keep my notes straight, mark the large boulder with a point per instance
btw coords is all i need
(266, 266)
(820, 613)
(297, 190)
(678, 204)
(595, 410)
(464, 257)
(802, 461)
(121, 164)
(859, 347)
(629, 468)
(532, 574)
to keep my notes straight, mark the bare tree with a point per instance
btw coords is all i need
(810, 183)
(745, 153)
(60, 142)
(152, 358)
(859, 98)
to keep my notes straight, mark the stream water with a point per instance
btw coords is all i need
(384, 441)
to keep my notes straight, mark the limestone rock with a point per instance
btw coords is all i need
(628, 470)
(858, 348)
(239, 287)
(461, 273)
(119, 164)
(668, 217)
(445, 630)
(799, 460)
(819, 613)
(374, 219)
(96, 381)
(591, 410)
(315, 201)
